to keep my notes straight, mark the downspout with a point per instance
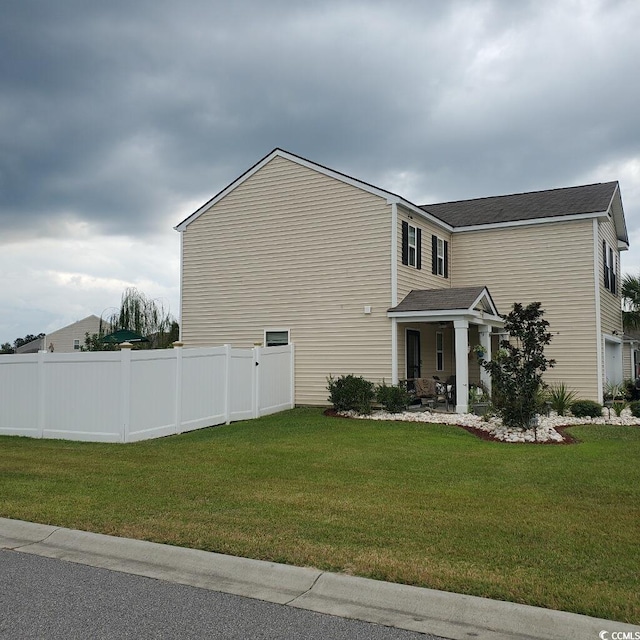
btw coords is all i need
(394, 291)
(596, 277)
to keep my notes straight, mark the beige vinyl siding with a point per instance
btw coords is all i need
(410, 278)
(554, 264)
(610, 305)
(628, 371)
(291, 248)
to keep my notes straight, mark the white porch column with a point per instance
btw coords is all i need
(485, 342)
(461, 328)
(394, 351)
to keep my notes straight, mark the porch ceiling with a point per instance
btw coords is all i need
(473, 304)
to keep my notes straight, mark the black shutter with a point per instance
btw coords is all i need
(405, 242)
(604, 262)
(434, 255)
(446, 259)
(418, 248)
(612, 271)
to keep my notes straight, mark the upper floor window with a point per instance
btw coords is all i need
(411, 245)
(609, 259)
(440, 257)
(76, 344)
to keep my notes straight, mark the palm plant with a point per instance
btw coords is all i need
(561, 398)
(631, 302)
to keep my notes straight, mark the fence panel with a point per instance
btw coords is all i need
(241, 384)
(19, 395)
(135, 395)
(203, 388)
(80, 396)
(153, 394)
(275, 389)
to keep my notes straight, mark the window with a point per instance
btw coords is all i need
(440, 257)
(439, 351)
(609, 259)
(411, 245)
(76, 344)
(276, 338)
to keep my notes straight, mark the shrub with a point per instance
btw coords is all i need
(561, 398)
(392, 397)
(350, 393)
(586, 409)
(518, 365)
(635, 408)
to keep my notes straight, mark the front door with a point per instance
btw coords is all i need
(413, 354)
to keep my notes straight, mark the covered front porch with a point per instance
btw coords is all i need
(438, 333)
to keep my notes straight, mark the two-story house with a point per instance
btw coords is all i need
(363, 281)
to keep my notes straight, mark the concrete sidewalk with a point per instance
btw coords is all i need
(449, 615)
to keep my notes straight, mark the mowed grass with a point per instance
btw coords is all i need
(429, 505)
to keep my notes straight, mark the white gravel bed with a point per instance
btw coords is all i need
(546, 431)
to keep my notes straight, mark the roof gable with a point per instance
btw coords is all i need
(389, 196)
(457, 299)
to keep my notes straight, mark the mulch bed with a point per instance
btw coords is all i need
(567, 438)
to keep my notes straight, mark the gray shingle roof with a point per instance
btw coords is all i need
(439, 299)
(591, 198)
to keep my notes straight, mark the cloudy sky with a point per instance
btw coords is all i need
(118, 119)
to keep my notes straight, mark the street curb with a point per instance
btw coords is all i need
(451, 615)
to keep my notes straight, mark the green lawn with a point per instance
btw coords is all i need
(431, 505)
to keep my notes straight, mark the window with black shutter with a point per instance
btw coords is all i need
(411, 245)
(439, 257)
(609, 259)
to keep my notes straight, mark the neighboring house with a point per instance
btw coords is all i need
(31, 347)
(363, 281)
(71, 338)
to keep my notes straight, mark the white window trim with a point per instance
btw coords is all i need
(76, 341)
(276, 330)
(440, 256)
(413, 246)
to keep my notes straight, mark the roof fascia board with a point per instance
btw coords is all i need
(228, 189)
(617, 215)
(448, 315)
(485, 294)
(425, 215)
(390, 197)
(524, 223)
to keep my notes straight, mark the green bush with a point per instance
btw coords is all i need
(635, 408)
(393, 398)
(586, 409)
(351, 393)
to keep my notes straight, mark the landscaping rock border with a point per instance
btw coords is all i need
(550, 430)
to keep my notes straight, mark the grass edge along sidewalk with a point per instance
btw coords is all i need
(426, 505)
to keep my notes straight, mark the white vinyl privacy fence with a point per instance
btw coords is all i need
(124, 396)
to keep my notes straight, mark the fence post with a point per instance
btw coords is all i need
(227, 383)
(257, 351)
(125, 388)
(177, 346)
(41, 393)
(292, 380)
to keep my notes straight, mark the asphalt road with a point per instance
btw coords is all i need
(52, 599)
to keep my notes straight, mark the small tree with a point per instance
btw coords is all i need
(516, 370)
